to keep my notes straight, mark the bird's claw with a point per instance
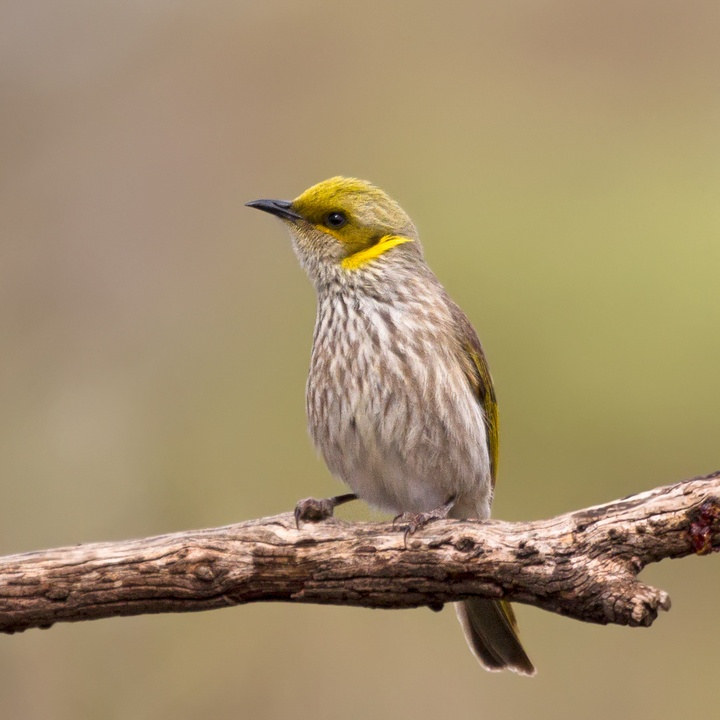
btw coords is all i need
(413, 522)
(416, 521)
(313, 510)
(318, 509)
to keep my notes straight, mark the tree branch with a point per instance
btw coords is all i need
(582, 564)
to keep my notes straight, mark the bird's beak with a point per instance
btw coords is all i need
(281, 208)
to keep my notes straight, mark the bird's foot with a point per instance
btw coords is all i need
(319, 509)
(416, 521)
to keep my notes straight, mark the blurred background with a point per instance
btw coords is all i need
(562, 161)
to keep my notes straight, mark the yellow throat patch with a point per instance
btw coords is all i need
(362, 257)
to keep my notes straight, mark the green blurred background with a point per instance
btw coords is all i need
(562, 161)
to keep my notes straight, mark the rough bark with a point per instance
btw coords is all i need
(582, 564)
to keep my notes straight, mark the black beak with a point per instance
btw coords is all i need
(281, 208)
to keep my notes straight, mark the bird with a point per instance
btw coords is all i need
(399, 398)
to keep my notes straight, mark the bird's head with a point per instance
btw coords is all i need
(343, 226)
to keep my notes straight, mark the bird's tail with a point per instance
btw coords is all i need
(491, 632)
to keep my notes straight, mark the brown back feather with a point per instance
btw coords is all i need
(478, 374)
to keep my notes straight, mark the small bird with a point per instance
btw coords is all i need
(399, 399)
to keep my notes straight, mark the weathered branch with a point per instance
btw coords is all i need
(583, 564)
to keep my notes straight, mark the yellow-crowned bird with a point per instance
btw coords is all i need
(400, 402)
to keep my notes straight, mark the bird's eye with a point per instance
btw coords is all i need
(336, 219)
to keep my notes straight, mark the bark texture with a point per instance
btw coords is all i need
(582, 564)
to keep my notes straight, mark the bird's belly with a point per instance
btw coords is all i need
(406, 467)
(397, 422)
(393, 490)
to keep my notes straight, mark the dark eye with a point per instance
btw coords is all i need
(336, 219)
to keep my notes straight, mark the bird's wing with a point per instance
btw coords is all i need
(490, 626)
(478, 374)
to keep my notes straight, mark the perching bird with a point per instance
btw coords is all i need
(400, 402)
